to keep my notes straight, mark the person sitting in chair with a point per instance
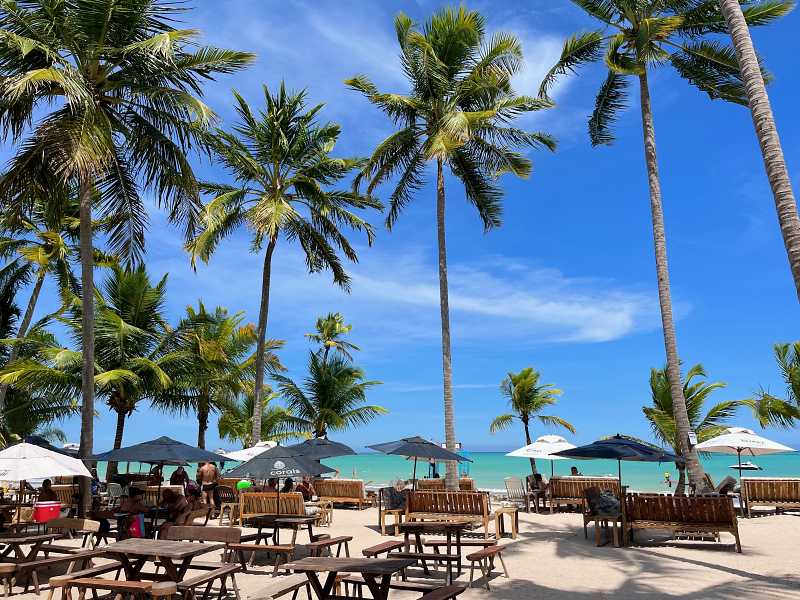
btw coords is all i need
(47, 493)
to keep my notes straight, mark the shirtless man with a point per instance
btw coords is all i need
(209, 476)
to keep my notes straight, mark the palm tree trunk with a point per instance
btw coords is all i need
(23, 329)
(680, 486)
(767, 132)
(202, 426)
(87, 337)
(451, 477)
(112, 466)
(263, 314)
(527, 443)
(689, 454)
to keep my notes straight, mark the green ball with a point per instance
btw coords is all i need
(244, 484)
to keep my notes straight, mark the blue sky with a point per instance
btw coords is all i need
(566, 285)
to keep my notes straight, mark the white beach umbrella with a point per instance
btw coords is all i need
(25, 461)
(738, 440)
(543, 448)
(247, 453)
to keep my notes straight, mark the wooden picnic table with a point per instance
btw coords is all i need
(369, 568)
(175, 557)
(447, 528)
(14, 542)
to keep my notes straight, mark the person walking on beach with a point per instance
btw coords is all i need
(209, 476)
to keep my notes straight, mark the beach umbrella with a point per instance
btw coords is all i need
(416, 447)
(322, 448)
(737, 440)
(620, 448)
(25, 461)
(279, 462)
(160, 451)
(543, 448)
(246, 454)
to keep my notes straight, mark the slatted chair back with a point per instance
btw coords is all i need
(257, 504)
(229, 482)
(65, 493)
(341, 490)
(774, 489)
(226, 494)
(685, 510)
(572, 488)
(189, 533)
(448, 503)
(515, 489)
(152, 493)
(114, 494)
(63, 480)
(465, 484)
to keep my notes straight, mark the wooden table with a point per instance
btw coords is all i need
(369, 568)
(448, 528)
(276, 523)
(175, 557)
(13, 542)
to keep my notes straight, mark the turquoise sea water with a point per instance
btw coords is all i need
(489, 468)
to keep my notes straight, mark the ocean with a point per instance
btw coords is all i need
(490, 468)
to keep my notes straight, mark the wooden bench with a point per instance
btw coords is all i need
(465, 484)
(59, 581)
(154, 589)
(446, 592)
(260, 504)
(570, 490)
(280, 586)
(222, 573)
(382, 548)
(442, 543)
(780, 492)
(444, 506)
(691, 514)
(318, 548)
(485, 560)
(71, 527)
(32, 567)
(406, 586)
(283, 553)
(342, 491)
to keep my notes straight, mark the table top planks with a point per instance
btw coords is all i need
(434, 526)
(161, 548)
(27, 538)
(369, 566)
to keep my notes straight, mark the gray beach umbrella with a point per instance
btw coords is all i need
(416, 447)
(322, 448)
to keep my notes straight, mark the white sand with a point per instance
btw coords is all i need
(551, 560)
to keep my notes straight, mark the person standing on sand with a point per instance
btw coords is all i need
(209, 476)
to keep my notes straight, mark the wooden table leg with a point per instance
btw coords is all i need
(323, 592)
(379, 592)
(458, 550)
(418, 538)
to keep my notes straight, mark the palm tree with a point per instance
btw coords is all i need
(236, 420)
(332, 397)
(218, 363)
(636, 36)
(764, 123)
(281, 160)
(44, 242)
(104, 93)
(456, 115)
(771, 410)
(528, 397)
(330, 330)
(132, 362)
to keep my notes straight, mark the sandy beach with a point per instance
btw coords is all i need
(551, 560)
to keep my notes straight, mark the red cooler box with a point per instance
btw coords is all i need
(46, 511)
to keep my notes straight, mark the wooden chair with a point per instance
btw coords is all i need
(441, 506)
(69, 527)
(685, 514)
(342, 491)
(591, 496)
(570, 490)
(228, 500)
(780, 492)
(384, 511)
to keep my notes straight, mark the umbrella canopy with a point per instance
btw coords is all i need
(417, 447)
(543, 448)
(29, 461)
(738, 440)
(322, 448)
(280, 461)
(246, 454)
(620, 448)
(162, 450)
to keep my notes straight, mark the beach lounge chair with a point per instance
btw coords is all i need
(684, 514)
(517, 493)
(779, 492)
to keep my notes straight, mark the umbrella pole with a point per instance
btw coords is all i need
(552, 467)
(739, 454)
(158, 500)
(414, 476)
(619, 471)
